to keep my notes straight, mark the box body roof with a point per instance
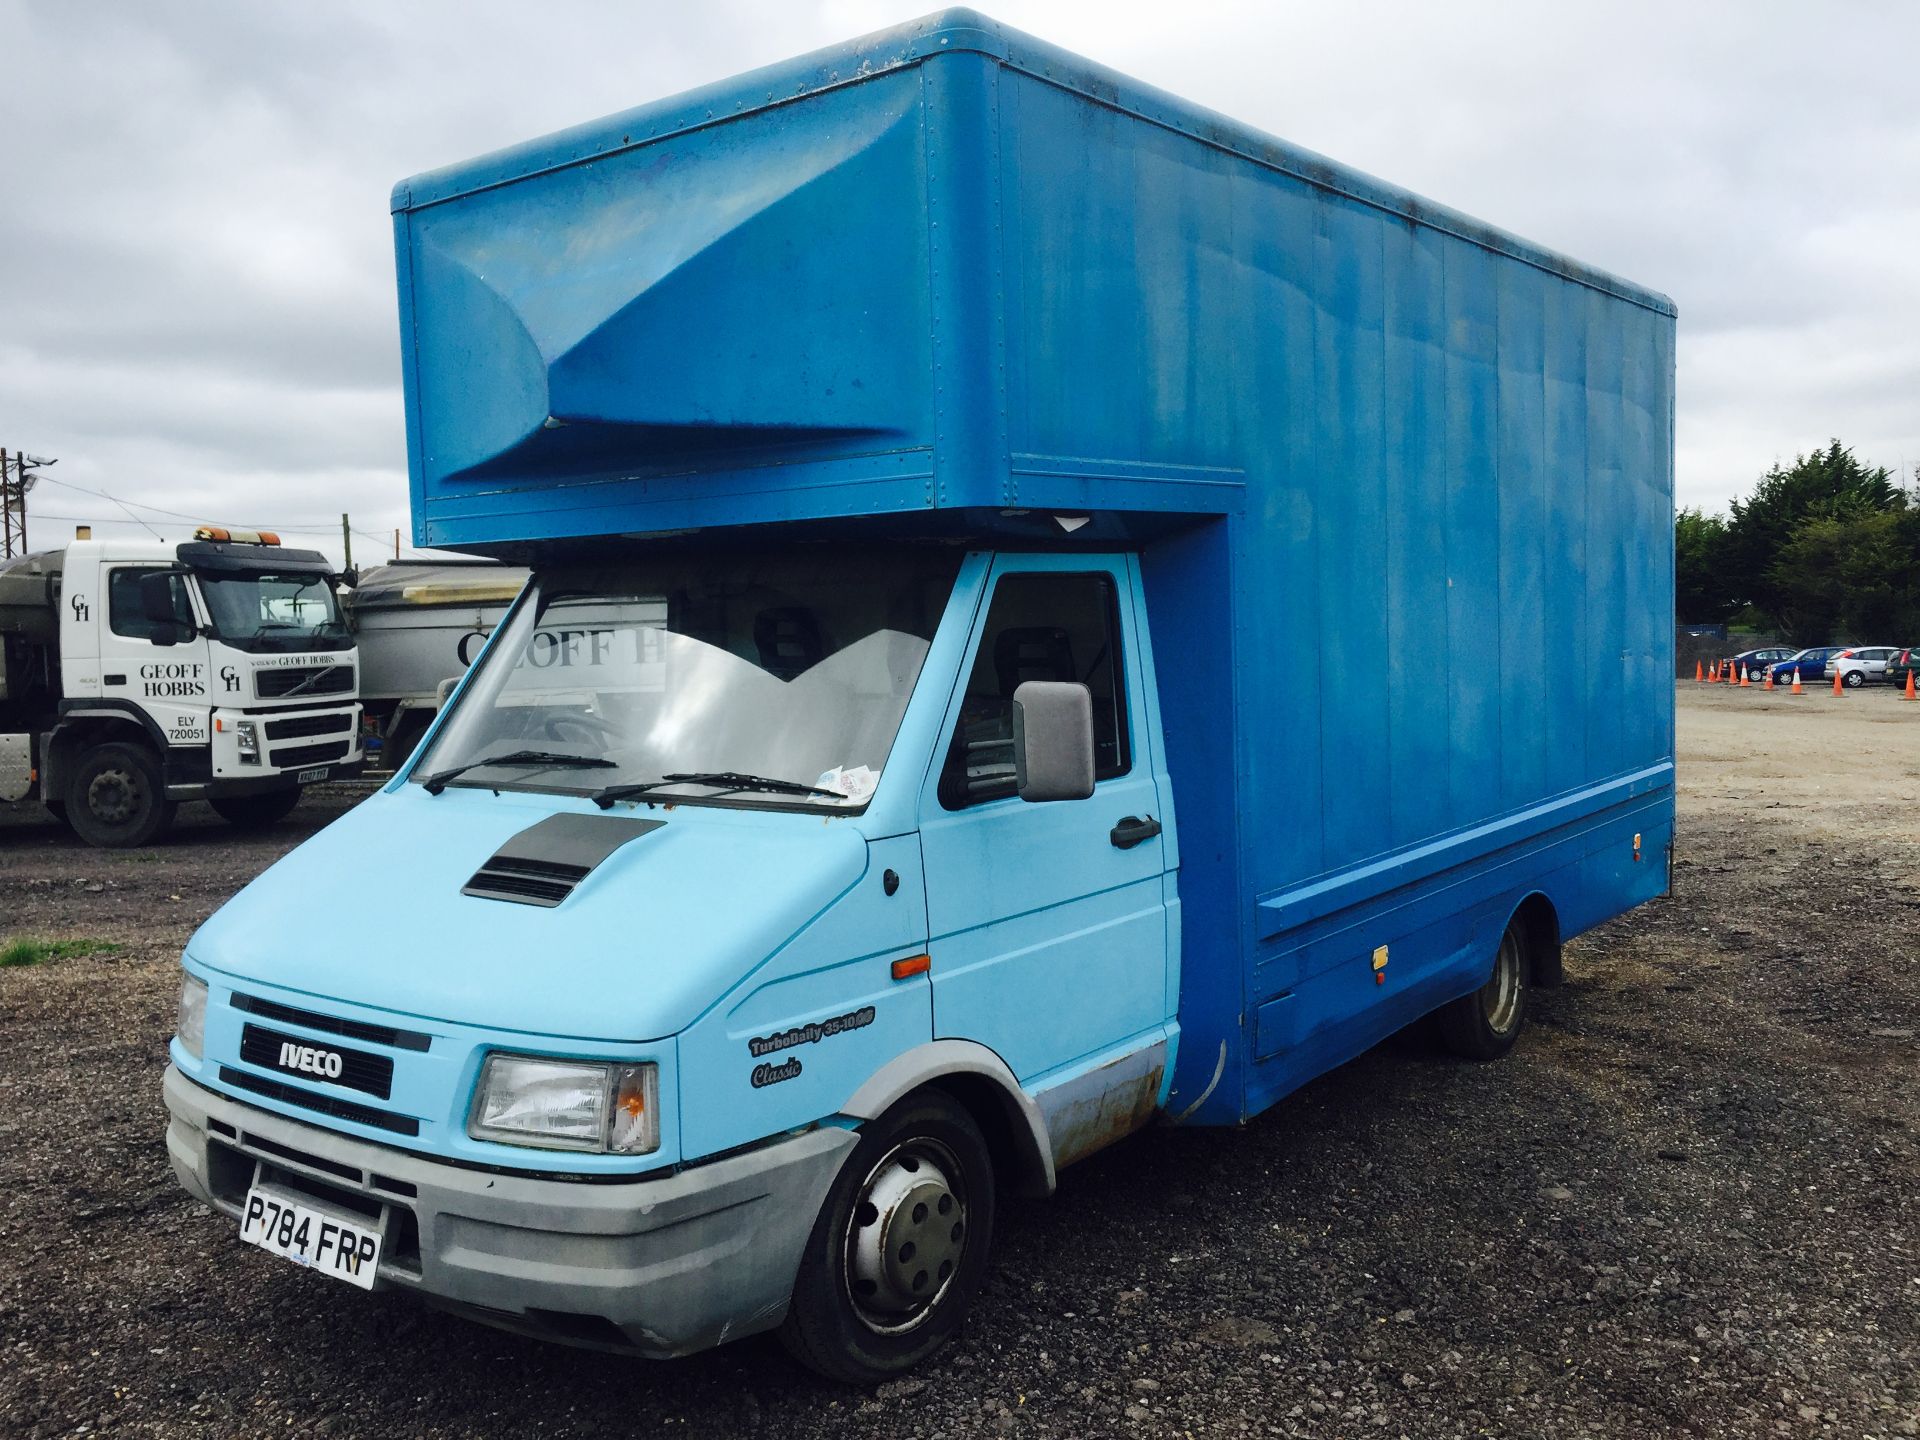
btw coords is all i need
(942, 268)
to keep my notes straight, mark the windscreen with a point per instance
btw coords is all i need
(774, 680)
(264, 611)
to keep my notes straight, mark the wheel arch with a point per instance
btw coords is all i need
(1015, 1130)
(1539, 922)
(80, 730)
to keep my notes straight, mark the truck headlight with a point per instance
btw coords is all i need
(190, 1027)
(246, 735)
(567, 1105)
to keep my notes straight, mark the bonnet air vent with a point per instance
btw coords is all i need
(542, 864)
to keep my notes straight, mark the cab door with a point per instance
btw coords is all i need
(157, 664)
(1048, 921)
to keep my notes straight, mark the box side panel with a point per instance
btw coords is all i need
(1453, 569)
(730, 325)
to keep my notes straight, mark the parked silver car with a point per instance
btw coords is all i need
(1857, 664)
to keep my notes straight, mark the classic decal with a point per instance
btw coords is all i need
(765, 1075)
(810, 1034)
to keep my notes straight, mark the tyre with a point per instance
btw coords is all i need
(1854, 679)
(256, 812)
(116, 797)
(900, 1247)
(1484, 1025)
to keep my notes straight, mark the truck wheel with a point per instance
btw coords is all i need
(116, 798)
(900, 1248)
(1484, 1025)
(256, 812)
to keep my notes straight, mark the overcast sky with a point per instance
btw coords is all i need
(196, 274)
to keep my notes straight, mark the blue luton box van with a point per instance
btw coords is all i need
(901, 777)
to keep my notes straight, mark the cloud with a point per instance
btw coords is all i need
(196, 291)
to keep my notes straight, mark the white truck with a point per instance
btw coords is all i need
(138, 674)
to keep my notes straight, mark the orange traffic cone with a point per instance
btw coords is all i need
(1700, 674)
(1713, 675)
(1796, 680)
(1910, 692)
(1836, 682)
(1745, 683)
(1769, 684)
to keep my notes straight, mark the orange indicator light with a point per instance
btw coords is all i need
(911, 966)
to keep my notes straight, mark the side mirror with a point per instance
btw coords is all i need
(1052, 740)
(160, 609)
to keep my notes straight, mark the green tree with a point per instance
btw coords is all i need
(1828, 485)
(1700, 593)
(1851, 579)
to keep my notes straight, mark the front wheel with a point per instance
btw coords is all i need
(116, 797)
(256, 812)
(900, 1247)
(1484, 1025)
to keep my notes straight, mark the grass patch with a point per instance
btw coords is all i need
(33, 952)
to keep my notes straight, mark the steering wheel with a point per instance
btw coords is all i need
(578, 726)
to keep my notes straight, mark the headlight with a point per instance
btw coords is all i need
(190, 1028)
(567, 1105)
(246, 735)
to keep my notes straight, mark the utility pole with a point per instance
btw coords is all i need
(15, 481)
(6, 510)
(346, 539)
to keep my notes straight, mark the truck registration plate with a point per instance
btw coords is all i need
(311, 777)
(344, 1249)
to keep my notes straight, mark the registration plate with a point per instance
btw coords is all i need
(347, 1250)
(311, 777)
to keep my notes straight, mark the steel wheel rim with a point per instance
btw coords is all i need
(112, 796)
(1500, 996)
(909, 1223)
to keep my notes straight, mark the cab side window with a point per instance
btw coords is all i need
(126, 617)
(1043, 626)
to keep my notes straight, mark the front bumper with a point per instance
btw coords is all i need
(661, 1266)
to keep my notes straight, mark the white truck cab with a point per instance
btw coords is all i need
(138, 674)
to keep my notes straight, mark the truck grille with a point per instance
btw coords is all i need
(333, 680)
(332, 1024)
(320, 1104)
(359, 1070)
(292, 757)
(299, 725)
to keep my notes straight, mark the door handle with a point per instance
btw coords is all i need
(1132, 830)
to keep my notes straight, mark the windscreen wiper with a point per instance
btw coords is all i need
(719, 779)
(436, 782)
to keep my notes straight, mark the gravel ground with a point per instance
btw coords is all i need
(1689, 1204)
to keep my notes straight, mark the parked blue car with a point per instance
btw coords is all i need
(1812, 665)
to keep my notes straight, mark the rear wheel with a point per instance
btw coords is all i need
(256, 812)
(116, 797)
(1484, 1025)
(900, 1247)
(1854, 679)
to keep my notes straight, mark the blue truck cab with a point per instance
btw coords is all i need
(898, 779)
